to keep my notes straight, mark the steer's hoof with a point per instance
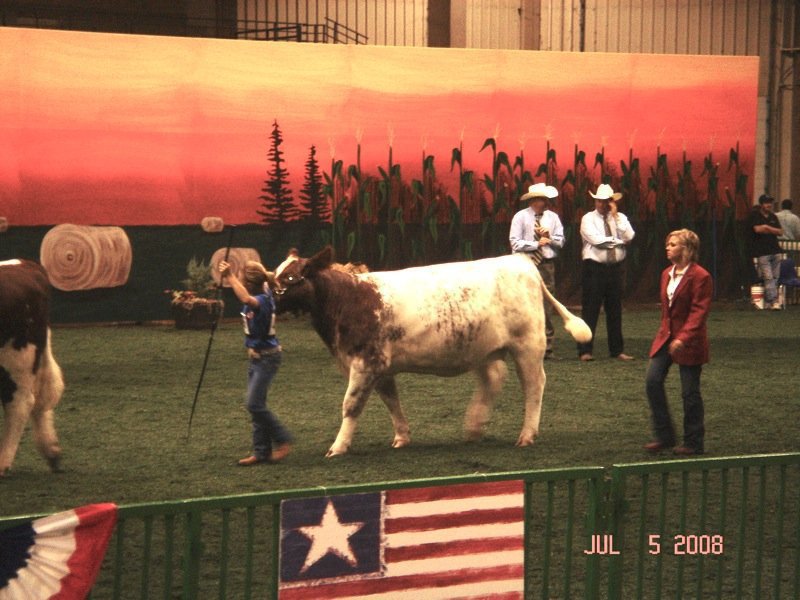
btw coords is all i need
(55, 464)
(400, 442)
(524, 441)
(473, 435)
(333, 453)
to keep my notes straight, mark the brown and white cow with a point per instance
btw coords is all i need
(443, 319)
(30, 379)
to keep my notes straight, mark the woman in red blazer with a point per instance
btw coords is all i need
(686, 290)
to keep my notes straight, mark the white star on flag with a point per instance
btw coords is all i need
(331, 535)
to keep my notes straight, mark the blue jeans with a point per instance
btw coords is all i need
(693, 414)
(266, 427)
(769, 269)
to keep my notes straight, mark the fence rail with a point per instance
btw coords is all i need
(329, 32)
(707, 528)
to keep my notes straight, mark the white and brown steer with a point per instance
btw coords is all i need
(443, 319)
(30, 379)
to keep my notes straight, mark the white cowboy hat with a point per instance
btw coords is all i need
(540, 190)
(605, 192)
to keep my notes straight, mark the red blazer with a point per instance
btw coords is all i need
(685, 320)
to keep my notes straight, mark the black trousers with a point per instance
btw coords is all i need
(693, 413)
(602, 286)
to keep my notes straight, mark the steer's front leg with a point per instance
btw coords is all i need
(358, 390)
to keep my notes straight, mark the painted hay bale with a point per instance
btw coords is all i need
(82, 257)
(212, 224)
(3, 224)
(236, 258)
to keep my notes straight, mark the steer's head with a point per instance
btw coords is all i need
(294, 280)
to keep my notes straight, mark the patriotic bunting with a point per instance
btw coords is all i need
(55, 557)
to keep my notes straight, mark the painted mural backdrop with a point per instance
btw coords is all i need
(132, 130)
(395, 155)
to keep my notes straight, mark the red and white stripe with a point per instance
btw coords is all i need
(459, 541)
(66, 556)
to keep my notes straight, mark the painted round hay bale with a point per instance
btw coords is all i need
(3, 224)
(82, 257)
(212, 224)
(236, 258)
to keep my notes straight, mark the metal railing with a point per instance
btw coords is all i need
(710, 528)
(329, 32)
(719, 527)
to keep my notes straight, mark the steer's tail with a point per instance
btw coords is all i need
(576, 326)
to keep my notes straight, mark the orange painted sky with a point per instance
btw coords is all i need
(128, 130)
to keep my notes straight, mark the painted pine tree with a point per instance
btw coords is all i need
(315, 209)
(277, 205)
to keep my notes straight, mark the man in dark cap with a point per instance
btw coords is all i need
(765, 229)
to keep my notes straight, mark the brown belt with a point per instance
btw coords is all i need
(251, 353)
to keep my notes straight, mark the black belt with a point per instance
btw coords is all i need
(543, 260)
(605, 265)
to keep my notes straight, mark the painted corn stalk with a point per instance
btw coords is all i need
(689, 206)
(600, 160)
(522, 177)
(659, 185)
(574, 192)
(388, 186)
(497, 185)
(426, 209)
(466, 187)
(333, 188)
(630, 185)
(734, 235)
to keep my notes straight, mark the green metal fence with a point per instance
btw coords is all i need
(712, 528)
(707, 528)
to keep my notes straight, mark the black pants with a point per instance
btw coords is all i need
(602, 286)
(693, 413)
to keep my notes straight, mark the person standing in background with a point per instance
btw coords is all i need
(765, 229)
(790, 222)
(537, 232)
(605, 232)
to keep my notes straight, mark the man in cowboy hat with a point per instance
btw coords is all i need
(538, 232)
(605, 232)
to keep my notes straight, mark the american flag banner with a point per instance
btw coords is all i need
(455, 541)
(55, 557)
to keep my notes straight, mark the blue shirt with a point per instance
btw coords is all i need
(259, 323)
(523, 239)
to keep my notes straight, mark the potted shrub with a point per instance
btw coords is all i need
(196, 306)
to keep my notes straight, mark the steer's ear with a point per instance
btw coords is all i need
(321, 260)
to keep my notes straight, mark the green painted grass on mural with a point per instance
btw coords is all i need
(123, 418)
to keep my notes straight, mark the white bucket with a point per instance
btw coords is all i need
(757, 296)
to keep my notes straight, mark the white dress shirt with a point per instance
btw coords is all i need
(523, 239)
(596, 243)
(675, 277)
